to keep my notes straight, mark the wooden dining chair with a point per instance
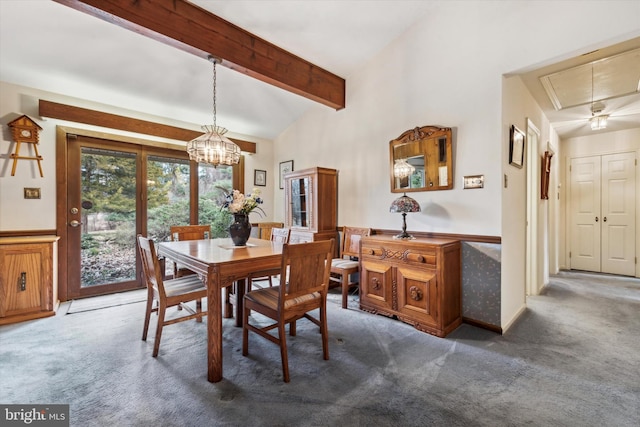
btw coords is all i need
(347, 263)
(265, 278)
(303, 287)
(187, 232)
(164, 294)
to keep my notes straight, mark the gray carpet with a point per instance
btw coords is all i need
(572, 359)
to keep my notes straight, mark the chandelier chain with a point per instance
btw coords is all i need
(214, 92)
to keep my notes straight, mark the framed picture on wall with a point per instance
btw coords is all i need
(516, 147)
(284, 168)
(259, 177)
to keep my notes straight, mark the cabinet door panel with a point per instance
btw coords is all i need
(418, 294)
(376, 285)
(23, 287)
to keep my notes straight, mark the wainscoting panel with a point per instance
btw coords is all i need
(481, 284)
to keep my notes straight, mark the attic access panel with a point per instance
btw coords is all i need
(599, 80)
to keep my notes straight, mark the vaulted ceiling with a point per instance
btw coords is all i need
(54, 47)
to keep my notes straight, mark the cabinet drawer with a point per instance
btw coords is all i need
(401, 254)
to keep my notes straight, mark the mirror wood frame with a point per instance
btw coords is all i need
(434, 145)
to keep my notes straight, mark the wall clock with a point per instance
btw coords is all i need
(25, 130)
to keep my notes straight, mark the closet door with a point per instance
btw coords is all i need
(585, 213)
(603, 214)
(618, 214)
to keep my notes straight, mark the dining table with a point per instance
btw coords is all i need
(220, 264)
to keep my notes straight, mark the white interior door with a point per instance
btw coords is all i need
(603, 200)
(618, 214)
(585, 213)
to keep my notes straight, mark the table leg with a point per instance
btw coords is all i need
(214, 329)
(240, 287)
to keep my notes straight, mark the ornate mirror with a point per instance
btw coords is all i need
(421, 160)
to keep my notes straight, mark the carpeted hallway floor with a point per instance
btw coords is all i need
(572, 359)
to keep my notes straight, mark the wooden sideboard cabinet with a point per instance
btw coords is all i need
(311, 204)
(418, 281)
(28, 278)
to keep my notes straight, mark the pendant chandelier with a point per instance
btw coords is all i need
(213, 147)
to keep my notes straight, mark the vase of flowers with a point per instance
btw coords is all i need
(240, 206)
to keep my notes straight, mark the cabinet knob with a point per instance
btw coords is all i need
(420, 258)
(371, 252)
(415, 293)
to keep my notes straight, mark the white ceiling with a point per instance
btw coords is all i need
(51, 47)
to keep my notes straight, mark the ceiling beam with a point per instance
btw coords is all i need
(71, 113)
(188, 27)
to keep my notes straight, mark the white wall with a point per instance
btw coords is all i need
(17, 214)
(595, 145)
(447, 71)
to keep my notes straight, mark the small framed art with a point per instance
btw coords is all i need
(285, 167)
(259, 178)
(516, 147)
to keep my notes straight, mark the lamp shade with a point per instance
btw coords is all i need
(404, 204)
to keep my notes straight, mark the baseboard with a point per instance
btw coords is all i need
(483, 325)
(514, 318)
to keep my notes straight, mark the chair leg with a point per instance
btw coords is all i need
(292, 328)
(283, 350)
(162, 308)
(245, 331)
(345, 289)
(324, 331)
(147, 316)
(199, 310)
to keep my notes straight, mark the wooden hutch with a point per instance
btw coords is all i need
(311, 204)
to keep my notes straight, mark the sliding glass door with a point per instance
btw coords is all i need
(116, 190)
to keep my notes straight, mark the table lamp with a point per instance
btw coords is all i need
(403, 205)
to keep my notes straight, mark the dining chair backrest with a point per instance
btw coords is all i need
(306, 267)
(264, 229)
(189, 232)
(150, 266)
(351, 237)
(280, 235)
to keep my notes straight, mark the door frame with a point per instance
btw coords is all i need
(532, 217)
(62, 186)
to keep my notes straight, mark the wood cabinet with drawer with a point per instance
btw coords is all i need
(418, 281)
(28, 278)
